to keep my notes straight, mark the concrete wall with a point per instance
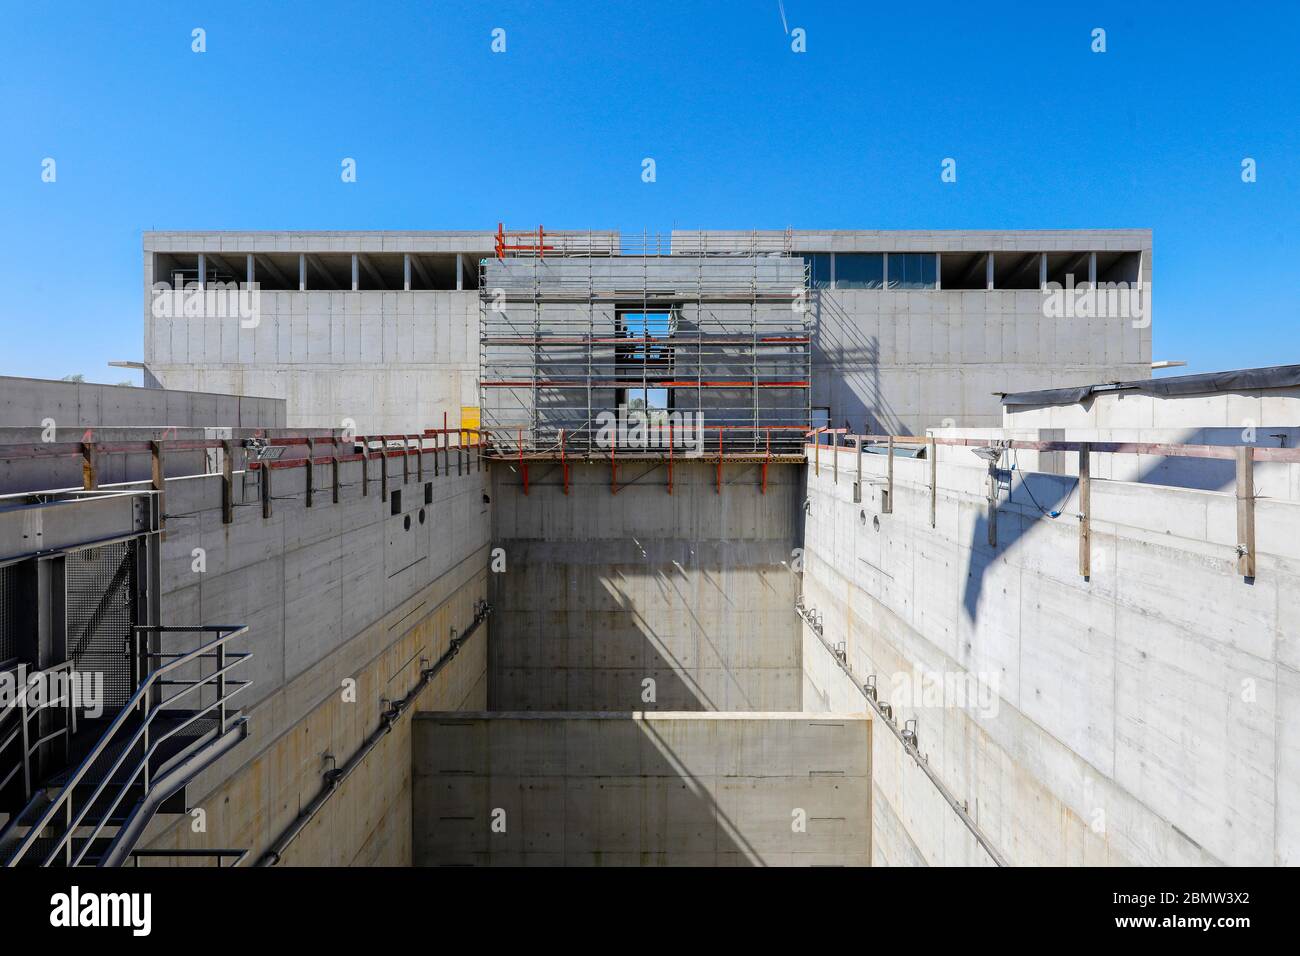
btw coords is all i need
(1146, 715)
(335, 591)
(30, 401)
(642, 789)
(601, 591)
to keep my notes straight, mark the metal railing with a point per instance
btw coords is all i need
(22, 710)
(136, 719)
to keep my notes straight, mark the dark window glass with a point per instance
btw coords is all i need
(864, 270)
(911, 270)
(821, 269)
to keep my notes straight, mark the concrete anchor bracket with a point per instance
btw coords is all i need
(227, 482)
(1085, 510)
(1246, 512)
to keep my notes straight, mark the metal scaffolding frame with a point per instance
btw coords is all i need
(568, 336)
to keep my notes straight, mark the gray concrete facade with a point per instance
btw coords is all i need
(1145, 715)
(345, 332)
(602, 593)
(641, 789)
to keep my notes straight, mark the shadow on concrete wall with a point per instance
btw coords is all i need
(1035, 496)
(862, 402)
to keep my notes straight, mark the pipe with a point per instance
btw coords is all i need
(334, 778)
(909, 746)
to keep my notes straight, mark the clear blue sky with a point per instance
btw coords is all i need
(745, 133)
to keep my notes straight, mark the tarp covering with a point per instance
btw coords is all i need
(1240, 380)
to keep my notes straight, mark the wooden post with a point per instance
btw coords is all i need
(89, 473)
(419, 458)
(383, 470)
(365, 468)
(158, 479)
(1246, 511)
(334, 475)
(934, 482)
(264, 470)
(1085, 509)
(310, 466)
(406, 460)
(889, 503)
(227, 482)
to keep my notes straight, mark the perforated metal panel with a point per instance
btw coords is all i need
(100, 586)
(9, 597)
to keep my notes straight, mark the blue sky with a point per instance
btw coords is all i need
(745, 134)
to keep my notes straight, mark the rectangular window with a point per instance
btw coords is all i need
(911, 270)
(865, 270)
(820, 269)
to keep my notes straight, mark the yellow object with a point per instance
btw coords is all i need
(469, 419)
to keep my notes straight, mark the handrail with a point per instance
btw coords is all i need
(227, 633)
(24, 712)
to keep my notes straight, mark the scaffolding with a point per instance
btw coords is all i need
(596, 345)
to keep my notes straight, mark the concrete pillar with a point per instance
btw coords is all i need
(1042, 270)
(460, 271)
(203, 272)
(989, 272)
(406, 272)
(302, 272)
(938, 272)
(1092, 270)
(356, 283)
(251, 269)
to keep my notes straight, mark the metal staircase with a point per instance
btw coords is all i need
(113, 783)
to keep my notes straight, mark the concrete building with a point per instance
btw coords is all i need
(908, 329)
(1031, 607)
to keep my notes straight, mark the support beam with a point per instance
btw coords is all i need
(1246, 511)
(371, 271)
(315, 263)
(263, 263)
(460, 272)
(406, 272)
(988, 273)
(356, 275)
(221, 264)
(302, 272)
(421, 271)
(251, 268)
(203, 272)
